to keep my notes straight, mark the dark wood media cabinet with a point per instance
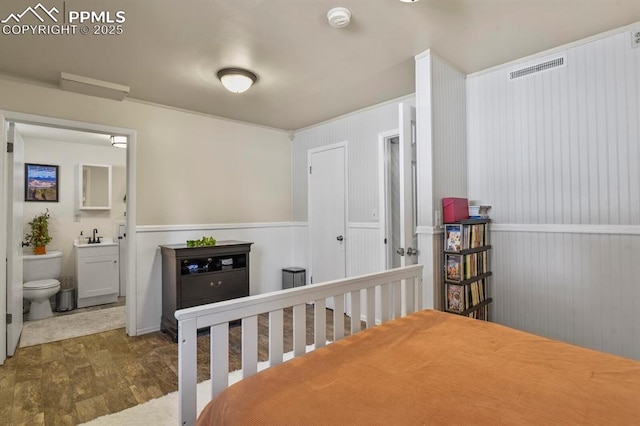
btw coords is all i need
(193, 276)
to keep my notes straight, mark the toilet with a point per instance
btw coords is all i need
(40, 276)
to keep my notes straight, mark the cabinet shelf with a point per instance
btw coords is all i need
(476, 307)
(469, 251)
(193, 276)
(470, 280)
(469, 222)
(466, 268)
(212, 264)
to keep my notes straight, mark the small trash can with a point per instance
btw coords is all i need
(66, 300)
(293, 277)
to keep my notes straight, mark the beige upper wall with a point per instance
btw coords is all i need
(191, 168)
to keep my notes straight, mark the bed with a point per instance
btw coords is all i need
(416, 367)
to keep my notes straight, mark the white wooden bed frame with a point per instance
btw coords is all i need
(400, 293)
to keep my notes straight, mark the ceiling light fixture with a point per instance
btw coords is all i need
(119, 141)
(237, 80)
(408, 1)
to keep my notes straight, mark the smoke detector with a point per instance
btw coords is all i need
(339, 17)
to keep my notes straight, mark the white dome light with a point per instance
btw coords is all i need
(237, 80)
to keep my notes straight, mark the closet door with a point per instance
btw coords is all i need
(327, 213)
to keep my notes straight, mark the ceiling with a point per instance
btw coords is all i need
(309, 72)
(31, 131)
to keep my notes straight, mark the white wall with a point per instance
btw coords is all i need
(556, 154)
(360, 130)
(63, 227)
(191, 169)
(442, 160)
(272, 250)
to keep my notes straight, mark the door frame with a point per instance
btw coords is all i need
(14, 204)
(131, 305)
(310, 152)
(383, 142)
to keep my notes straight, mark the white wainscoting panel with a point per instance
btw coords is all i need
(364, 255)
(271, 251)
(300, 246)
(365, 249)
(560, 148)
(430, 246)
(579, 288)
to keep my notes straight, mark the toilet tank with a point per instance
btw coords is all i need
(41, 266)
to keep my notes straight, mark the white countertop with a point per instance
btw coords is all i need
(103, 242)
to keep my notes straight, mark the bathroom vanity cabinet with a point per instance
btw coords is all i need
(97, 274)
(193, 276)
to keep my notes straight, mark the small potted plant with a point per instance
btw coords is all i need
(39, 236)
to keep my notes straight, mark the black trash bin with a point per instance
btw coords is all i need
(66, 300)
(293, 277)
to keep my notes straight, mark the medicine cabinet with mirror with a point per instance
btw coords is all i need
(95, 186)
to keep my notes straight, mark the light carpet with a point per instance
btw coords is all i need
(164, 410)
(72, 325)
(160, 411)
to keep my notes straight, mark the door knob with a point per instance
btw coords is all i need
(411, 252)
(400, 251)
(339, 238)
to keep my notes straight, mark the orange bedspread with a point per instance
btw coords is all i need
(437, 368)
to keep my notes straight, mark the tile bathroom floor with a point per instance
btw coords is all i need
(122, 300)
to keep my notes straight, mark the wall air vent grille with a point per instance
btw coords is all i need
(533, 69)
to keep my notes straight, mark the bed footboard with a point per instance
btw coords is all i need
(374, 298)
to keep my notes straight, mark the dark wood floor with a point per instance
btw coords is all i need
(76, 380)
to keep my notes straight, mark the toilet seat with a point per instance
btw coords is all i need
(41, 284)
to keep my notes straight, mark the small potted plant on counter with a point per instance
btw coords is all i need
(39, 236)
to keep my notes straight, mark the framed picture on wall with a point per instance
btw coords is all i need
(41, 182)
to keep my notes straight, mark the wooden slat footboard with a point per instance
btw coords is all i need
(389, 294)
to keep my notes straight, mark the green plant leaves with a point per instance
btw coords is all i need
(203, 242)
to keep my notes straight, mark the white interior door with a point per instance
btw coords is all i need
(327, 213)
(3, 238)
(407, 171)
(390, 217)
(408, 208)
(15, 209)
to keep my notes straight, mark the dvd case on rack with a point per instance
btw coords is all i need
(456, 298)
(453, 237)
(453, 264)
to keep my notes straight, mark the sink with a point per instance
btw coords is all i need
(103, 242)
(97, 273)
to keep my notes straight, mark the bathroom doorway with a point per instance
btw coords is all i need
(44, 138)
(398, 195)
(398, 190)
